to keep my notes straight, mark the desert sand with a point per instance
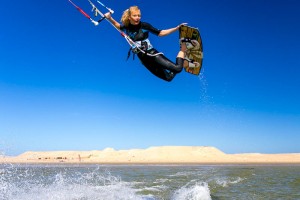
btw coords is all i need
(153, 155)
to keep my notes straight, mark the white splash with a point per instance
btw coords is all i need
(197, 191)
(61, 186)
(224, 182)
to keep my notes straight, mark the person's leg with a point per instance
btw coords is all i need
(164, 63)
(151, 64)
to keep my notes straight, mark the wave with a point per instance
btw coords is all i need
(225, 182)
(50, 183)
(193, 191)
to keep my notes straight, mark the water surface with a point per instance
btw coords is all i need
(105, 182)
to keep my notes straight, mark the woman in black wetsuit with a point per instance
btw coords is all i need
(153, 60)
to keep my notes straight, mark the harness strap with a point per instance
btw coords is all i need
(129, 53)
(140, 46)
(144, 52)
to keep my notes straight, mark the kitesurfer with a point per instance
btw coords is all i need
(154, 61)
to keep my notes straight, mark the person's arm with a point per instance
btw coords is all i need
(171, 30)
(112, 20)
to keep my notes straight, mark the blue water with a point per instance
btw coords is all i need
(105, 182)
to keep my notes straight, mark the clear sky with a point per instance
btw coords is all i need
(66, 85)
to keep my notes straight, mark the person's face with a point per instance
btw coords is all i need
(135, 17)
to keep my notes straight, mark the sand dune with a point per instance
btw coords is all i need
(153, 155)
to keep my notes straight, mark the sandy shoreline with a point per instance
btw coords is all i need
(152, 155)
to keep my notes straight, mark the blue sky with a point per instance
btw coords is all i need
(65, 84)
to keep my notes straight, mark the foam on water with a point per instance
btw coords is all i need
(193, 191)
(225, 182)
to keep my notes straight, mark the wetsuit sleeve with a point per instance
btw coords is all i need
(122, 27)
(150, 28)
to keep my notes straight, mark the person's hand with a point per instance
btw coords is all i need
(107, 15)
(182, 24)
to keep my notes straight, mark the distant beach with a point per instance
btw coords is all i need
(153, 155)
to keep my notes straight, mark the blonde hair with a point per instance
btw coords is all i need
(127, 13)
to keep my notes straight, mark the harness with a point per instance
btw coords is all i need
(142, 46)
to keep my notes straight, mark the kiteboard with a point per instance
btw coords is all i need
(194, 52)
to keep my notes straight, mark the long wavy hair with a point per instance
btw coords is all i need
(127, 13)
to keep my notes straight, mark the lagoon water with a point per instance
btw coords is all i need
(153, 182)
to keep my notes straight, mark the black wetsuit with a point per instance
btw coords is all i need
(158, 65)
